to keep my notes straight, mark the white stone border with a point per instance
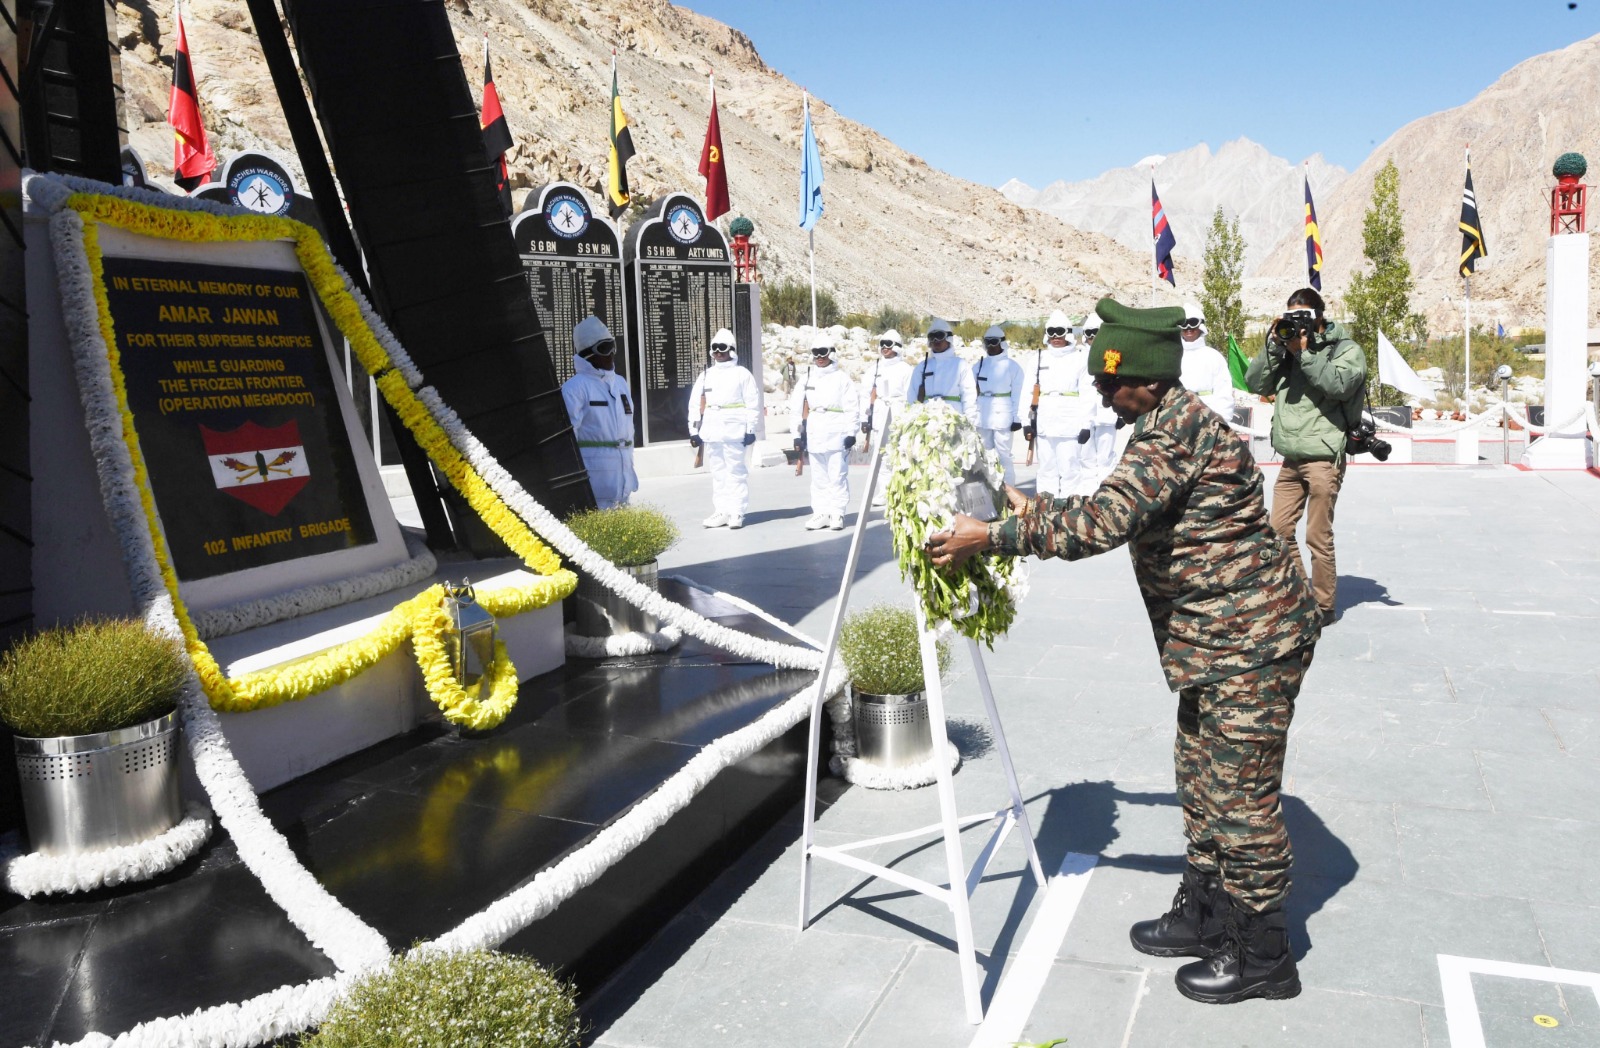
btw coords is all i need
(34, 874)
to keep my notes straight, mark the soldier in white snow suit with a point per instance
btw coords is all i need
(602, 414)
(942, 375)
(1097, 451)
(889, 377)
(1205, 371)
(722, 420)
(999, 382)
(831, 406)
(1064, 409)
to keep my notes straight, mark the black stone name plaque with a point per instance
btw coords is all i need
(680, 291)
(573, 261)
(228, 381)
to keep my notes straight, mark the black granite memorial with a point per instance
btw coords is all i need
(233, 400)
(573, 261)
(260, 182)
(680, 291)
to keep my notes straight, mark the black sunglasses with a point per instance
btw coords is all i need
(604, 348)
(719, 347)
(888, 345)
(1055, 332)
(821, 351)
(1189, 324)
(993, 341)
(939, 334)
(1089, 335)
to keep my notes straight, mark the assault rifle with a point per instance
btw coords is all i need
(872, 403)
(1033, 409)
(800, 434)
(699, 428)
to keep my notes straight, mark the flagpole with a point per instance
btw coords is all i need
(811, 234)
(1155, 259)
(1466, 378)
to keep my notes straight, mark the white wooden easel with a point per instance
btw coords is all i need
(956, 893)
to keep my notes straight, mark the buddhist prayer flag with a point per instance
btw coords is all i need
(617, 195)
(192, 160)
(810, 175)
(496, 132)
(712, 165)
(1164, 239)
(1238, 365)
(1394, 371)
(1472, 245)
(1313, 241)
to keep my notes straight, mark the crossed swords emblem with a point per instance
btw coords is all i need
(262, 467)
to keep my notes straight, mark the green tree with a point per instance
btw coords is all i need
(788, 303)
(1222, 284)
(1380, 300)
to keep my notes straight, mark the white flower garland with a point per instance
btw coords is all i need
(863, 773)
(236, 618)
(621, 644)
(349, 943)
(37, 874)
(333, 929)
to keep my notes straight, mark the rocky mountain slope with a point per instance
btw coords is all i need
(896, 231)
(1517, 127)
(1265, 193)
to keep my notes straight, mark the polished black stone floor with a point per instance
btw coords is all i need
(419, 832)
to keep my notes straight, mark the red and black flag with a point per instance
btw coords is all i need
(496, 132)
(712, 165)
(192, 160)
(1313, 240)
(1162, 234)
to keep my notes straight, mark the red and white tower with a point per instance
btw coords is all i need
(1566, 322)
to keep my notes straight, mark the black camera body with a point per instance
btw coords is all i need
(1362, 439)
(1294, 324)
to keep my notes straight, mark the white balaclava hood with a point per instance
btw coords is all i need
(938, 324)
(589, 331)
(893, 336)
(724, 337)
(823, 339)
(1192, 309)
(996, 331)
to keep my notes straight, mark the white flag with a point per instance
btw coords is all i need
(1394, 371)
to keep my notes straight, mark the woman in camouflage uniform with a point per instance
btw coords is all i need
(1235, 625)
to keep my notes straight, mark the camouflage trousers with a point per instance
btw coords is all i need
(1232, 735)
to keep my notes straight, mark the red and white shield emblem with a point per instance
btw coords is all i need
(263, 467)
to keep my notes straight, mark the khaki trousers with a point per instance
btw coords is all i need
(1310, 489)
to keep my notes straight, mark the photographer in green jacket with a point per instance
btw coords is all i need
(1318, 376)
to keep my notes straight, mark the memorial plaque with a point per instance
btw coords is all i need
(233, 400)
(680, 291)
(260, 182)
(573, 261)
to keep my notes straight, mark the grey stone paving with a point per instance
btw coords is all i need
(1443, 794)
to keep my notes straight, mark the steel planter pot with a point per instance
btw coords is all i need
(892, 731)
(87, 792)
(601, 613)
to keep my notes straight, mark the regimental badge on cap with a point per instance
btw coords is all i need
(1113, 359)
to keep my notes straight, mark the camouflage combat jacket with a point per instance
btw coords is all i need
(1186, 496)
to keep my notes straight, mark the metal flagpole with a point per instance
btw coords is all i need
(1466, 378)
(811, 239)
(1155, 260)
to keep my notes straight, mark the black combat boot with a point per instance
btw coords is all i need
(1193, 927)
(1253, 961)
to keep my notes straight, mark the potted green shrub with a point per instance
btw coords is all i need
(93, 706)
(458, 1000)
(632, 538)
(882, 656)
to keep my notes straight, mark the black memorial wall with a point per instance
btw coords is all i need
(400, 121)
(573, 260)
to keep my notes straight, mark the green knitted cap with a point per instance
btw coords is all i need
(1141, 343)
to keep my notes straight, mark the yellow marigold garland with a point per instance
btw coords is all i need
(422, 618)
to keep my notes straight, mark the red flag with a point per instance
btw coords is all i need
(496, 132)
(713, 167)
(192, 160)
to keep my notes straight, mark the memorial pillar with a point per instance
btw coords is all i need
(1566, 318)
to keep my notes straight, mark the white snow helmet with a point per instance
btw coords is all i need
(724, 337)
(590, 330)
(1091, 323)
(1057, 319)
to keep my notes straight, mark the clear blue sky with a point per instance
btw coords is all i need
(1042, 91)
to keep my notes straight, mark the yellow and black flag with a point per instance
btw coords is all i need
(617, 195)
(1472, 245)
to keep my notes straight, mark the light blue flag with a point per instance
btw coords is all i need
(810, 176)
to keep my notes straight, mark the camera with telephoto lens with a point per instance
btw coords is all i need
(1362, 439)
(1293, 324)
